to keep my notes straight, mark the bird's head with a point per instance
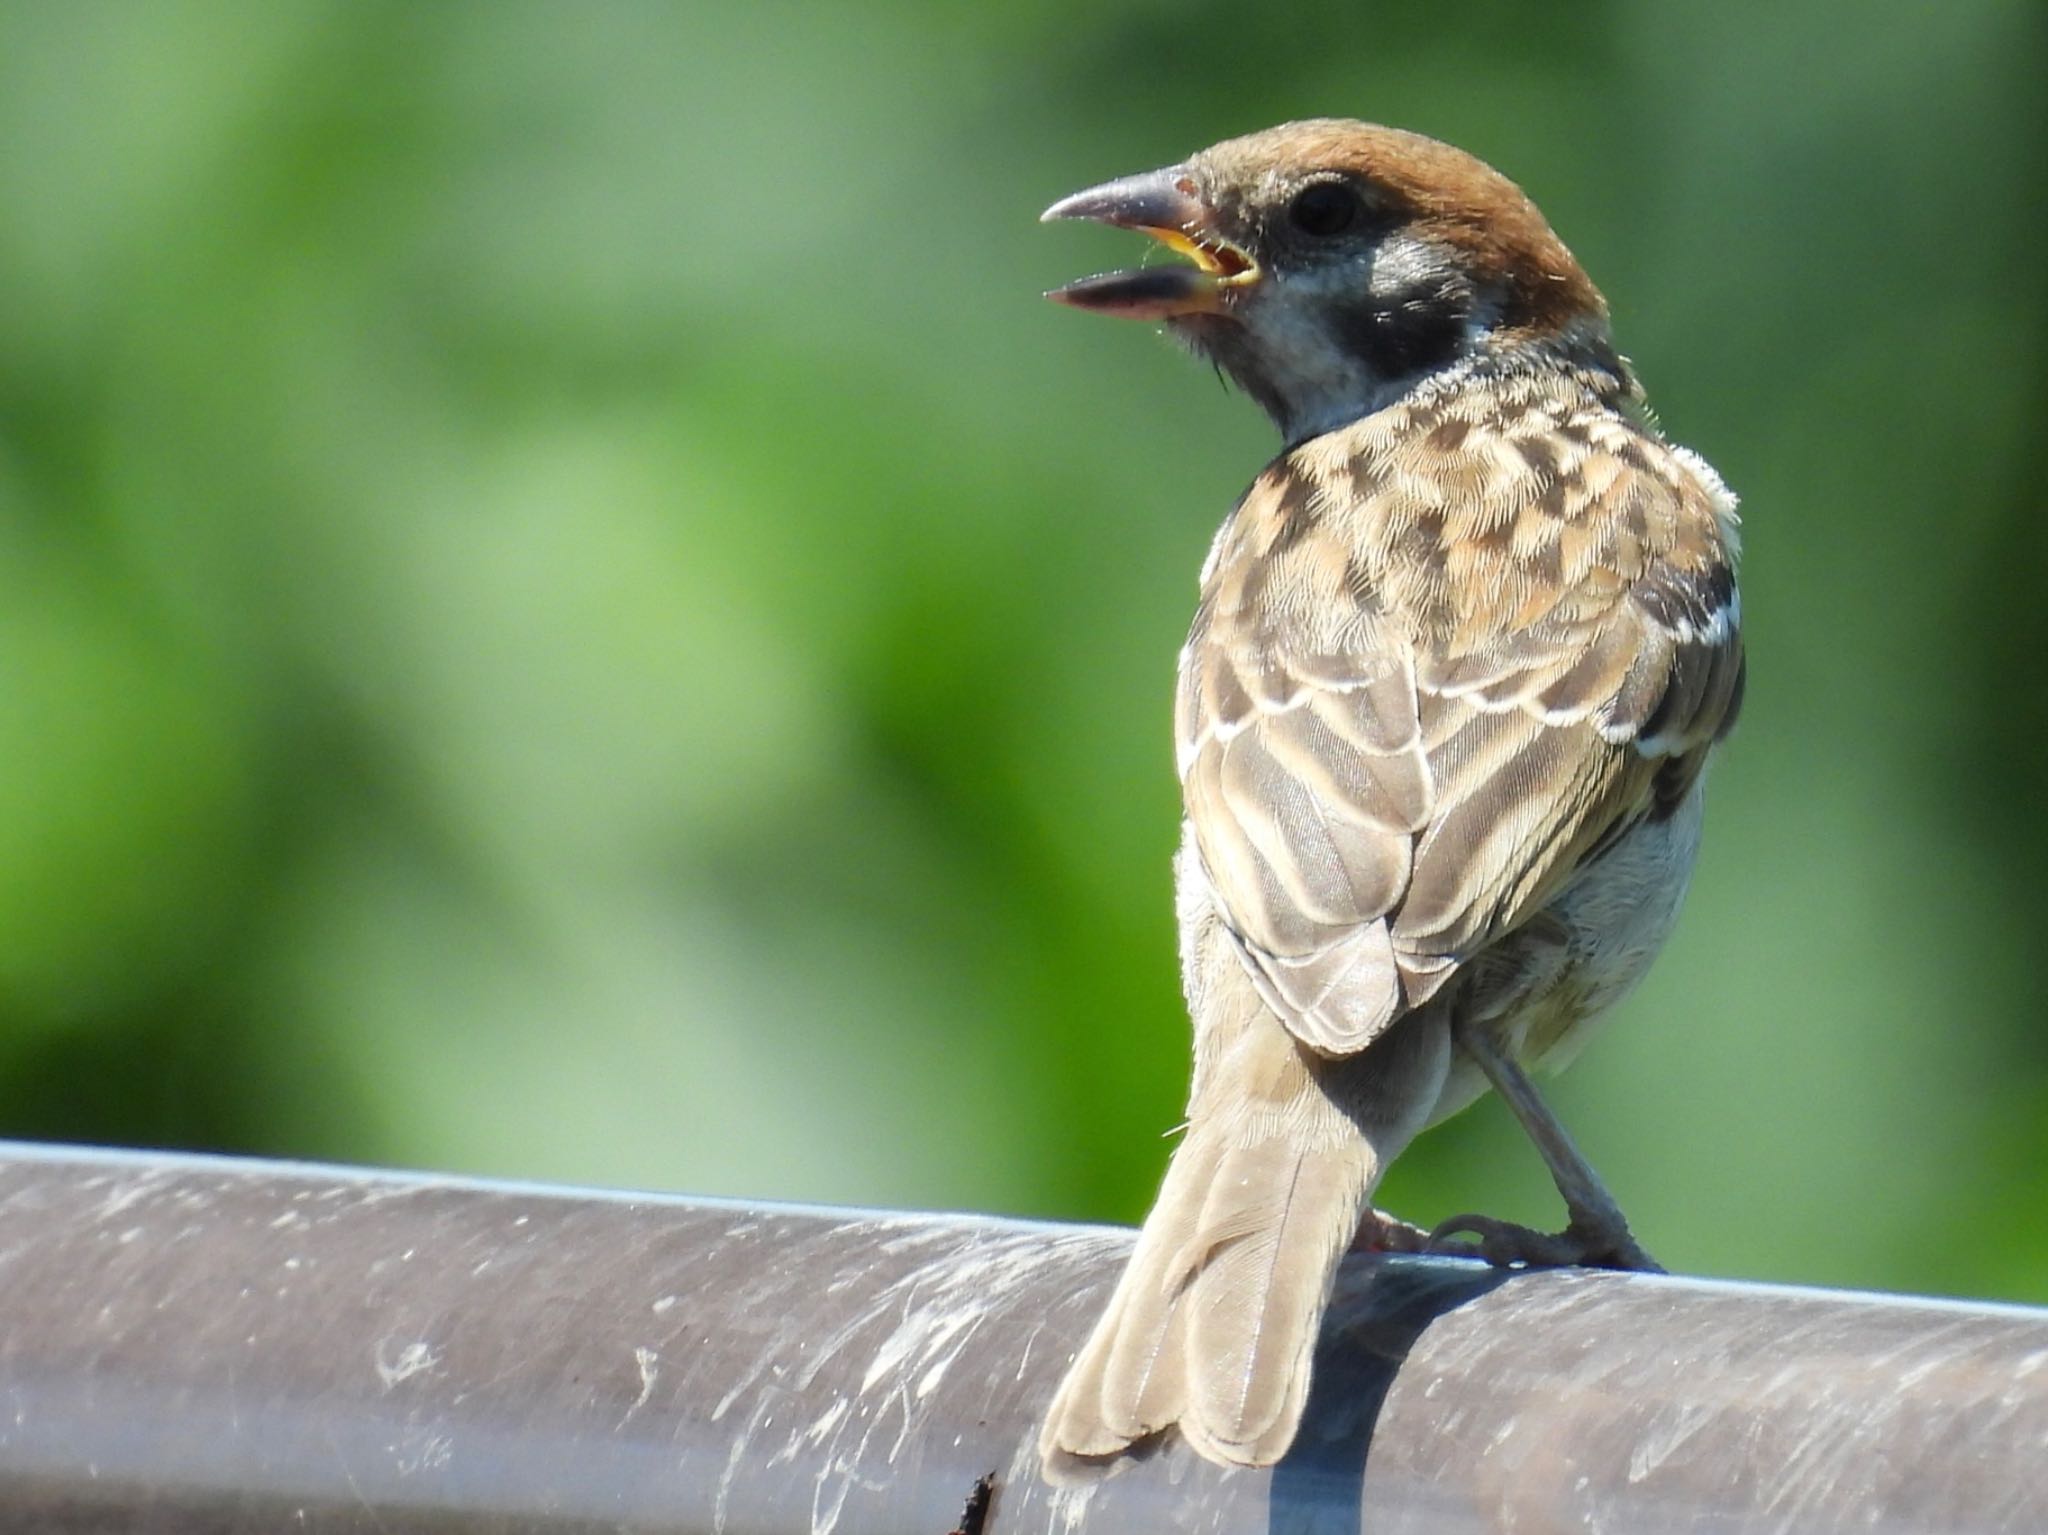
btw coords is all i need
(1334, 265)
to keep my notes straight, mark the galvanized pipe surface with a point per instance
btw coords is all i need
(194, 1345)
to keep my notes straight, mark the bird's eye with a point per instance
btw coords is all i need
(1324, 209)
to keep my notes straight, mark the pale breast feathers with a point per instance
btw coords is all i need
(1442, 658)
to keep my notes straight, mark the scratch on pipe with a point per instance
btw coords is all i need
(124, 1194)
(893, 1353)
(1066, 1502)
(649, 1363)
(766, 1364)
(1070, 1504)
(932, 1314)
(1667, 1431)
(348, 1475)
(732, 1466)
(414, 1358)
(815, 1435)
(422, 1450)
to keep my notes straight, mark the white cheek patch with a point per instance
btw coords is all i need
(1403, 264)
(1325, 385)
(1303, 353)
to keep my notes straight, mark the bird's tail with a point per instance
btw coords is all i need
(1213, 1323)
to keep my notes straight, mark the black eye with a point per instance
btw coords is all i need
(1324, 209)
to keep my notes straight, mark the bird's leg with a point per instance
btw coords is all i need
(1597, 1234)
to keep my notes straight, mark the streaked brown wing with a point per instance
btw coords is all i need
(1407, 718)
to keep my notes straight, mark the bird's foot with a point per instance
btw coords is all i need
(1582, 1244)
(1380, 1232)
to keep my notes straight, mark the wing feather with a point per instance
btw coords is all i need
(1420, 695)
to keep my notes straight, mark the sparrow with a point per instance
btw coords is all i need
(1461, 654)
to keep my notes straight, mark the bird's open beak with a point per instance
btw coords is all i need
(1165, 205)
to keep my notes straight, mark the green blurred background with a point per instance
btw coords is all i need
(566, 610)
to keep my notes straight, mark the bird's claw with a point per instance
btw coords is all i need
(1380, 1232)
(1504, 1244)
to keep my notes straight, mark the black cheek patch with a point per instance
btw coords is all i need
(1398, 337)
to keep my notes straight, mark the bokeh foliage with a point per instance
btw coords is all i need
(567, 612)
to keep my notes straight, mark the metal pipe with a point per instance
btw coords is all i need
(189, 1344)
